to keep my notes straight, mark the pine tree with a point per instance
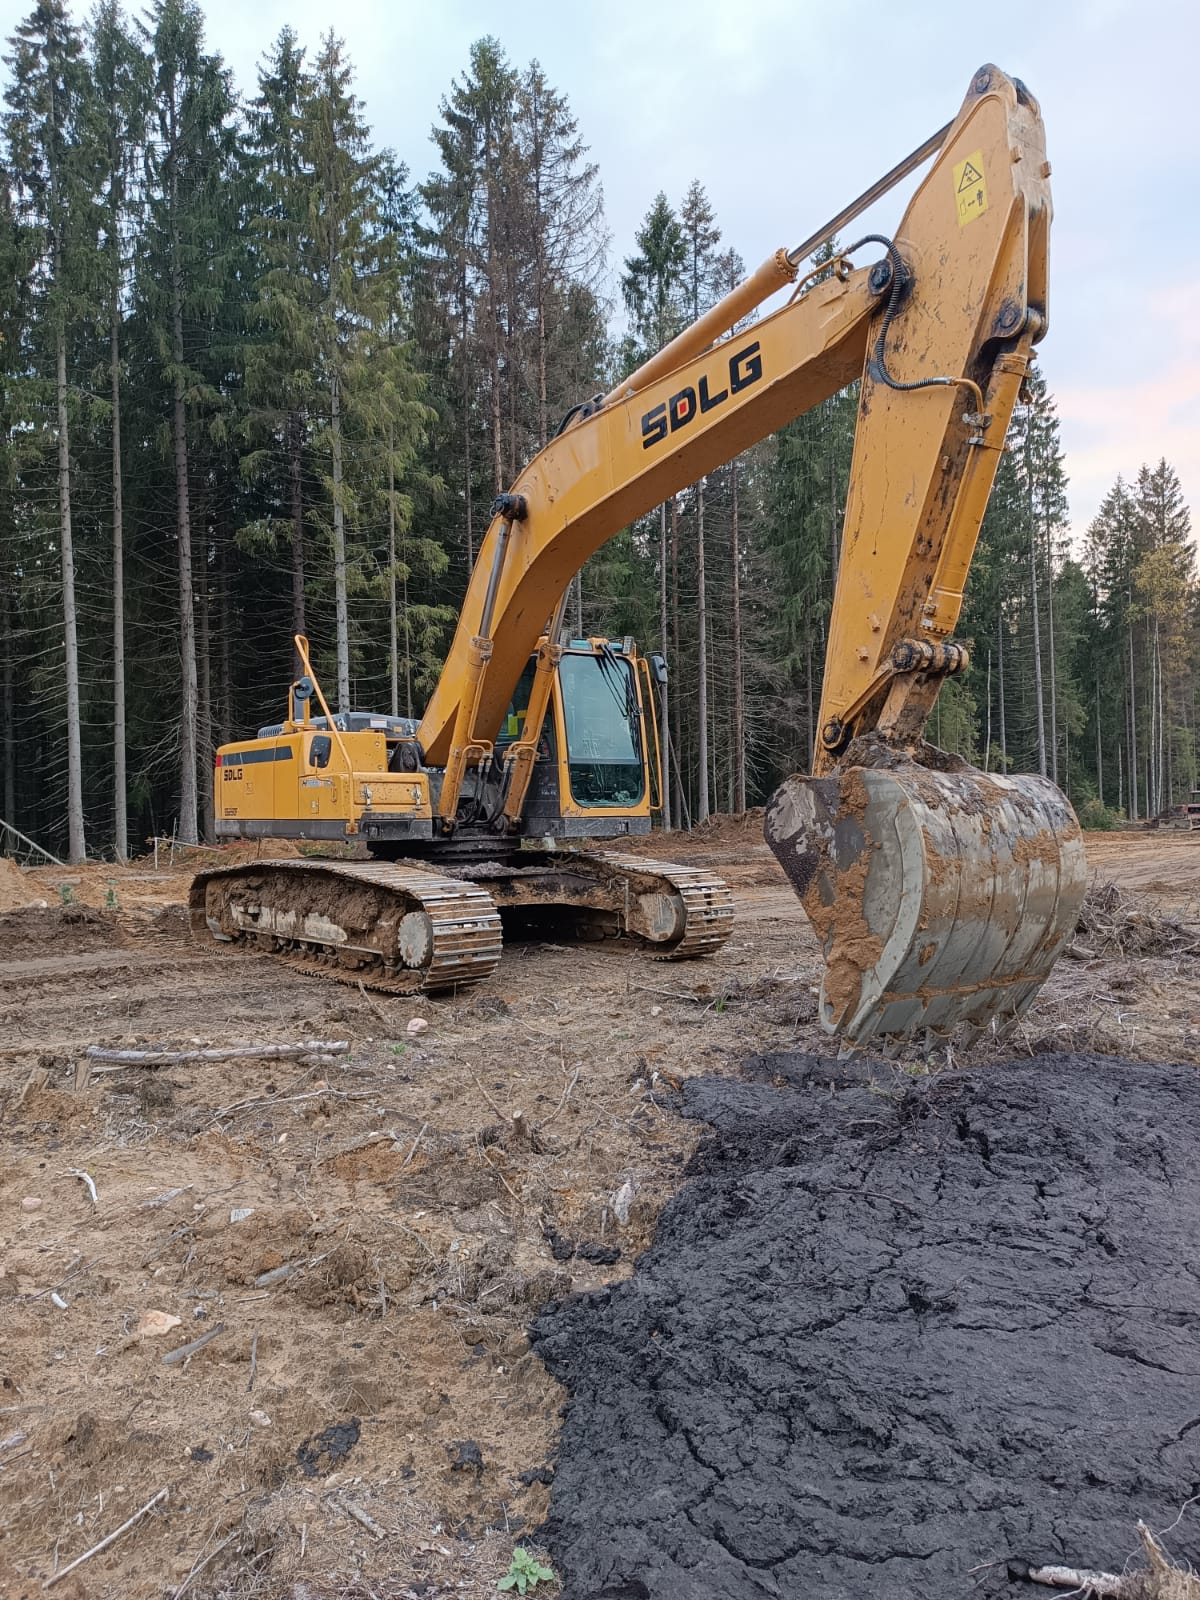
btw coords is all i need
(280, 353)
(49, 152)
(365, 375)
(1164, 591)
(120, 104)
(701, 237)
(189, 230)
(652, 286)
(566, 235)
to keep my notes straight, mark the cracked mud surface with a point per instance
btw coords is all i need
(891, 1333)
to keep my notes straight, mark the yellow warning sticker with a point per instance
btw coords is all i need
(970, 188)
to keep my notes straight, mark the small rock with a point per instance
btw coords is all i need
(621, 1202)
(656, 1011)
(58, 1300)
(152, 1323)
(260, 1419)
(417, 1025)
(31, 1202)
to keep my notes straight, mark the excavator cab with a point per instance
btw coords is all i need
(596, 764)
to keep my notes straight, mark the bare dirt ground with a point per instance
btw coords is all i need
(371, 1233)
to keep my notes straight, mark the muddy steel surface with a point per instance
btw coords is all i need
(891, 1335)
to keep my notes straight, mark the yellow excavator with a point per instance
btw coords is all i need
(941, 895)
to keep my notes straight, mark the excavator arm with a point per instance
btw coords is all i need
(939, 326)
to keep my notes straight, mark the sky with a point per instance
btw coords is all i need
(787, 109)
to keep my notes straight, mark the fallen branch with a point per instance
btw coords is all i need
(85, 1177)
(413, 1149)
(389, 1026)
(174, 1357)
(198, 1565)
(1164, 1581)
(1103, 1585)
(363, 1520)
(228, 1052)
(104, 1543)
(566, 1095)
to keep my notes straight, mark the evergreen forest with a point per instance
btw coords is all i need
(261, 377)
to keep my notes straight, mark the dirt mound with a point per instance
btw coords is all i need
(197, 857)
(62, 929)
(731, 827)
(894, 1335)
(16, 890)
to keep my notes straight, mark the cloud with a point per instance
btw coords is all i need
(1116, 427)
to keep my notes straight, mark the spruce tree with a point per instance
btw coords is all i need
(652, 286)
(190, 228)
(367, 389)
(49, 154)
(120, 106)
(280, 348)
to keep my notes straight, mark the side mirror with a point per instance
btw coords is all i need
(658, 669)
(319, 750)
(302, 691)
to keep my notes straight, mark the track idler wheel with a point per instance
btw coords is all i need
(940, 897)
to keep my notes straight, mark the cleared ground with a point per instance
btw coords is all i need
(373, 1233)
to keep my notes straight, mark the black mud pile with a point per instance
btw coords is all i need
(890, 1333)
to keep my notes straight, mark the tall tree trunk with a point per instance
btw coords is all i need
(1052, 663)
(76, 846)
(987, 725)
(206, 775)
(675, 657)
(1099, 745)
(664, 698)
(1133, 737)
(738, 719)
(702, 806)
(810, 708)
(494, 330)
(224, 635)
(466, 426)
(296, 487)
(393, 619)
(120, 811)
(183, 525)
(339, 546)
(1037, 643)
(1000, 690)
(8, 706)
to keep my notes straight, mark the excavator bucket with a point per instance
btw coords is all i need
(940, 897)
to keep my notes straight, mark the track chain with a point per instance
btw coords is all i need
(707, 903)
(464, 922)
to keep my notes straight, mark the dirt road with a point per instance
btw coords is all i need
(371, 1232)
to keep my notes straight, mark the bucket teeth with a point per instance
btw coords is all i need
(940, 898)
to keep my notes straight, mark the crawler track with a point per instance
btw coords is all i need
(407, 929)
(673, 912)
(707, 903)
(398, 929)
